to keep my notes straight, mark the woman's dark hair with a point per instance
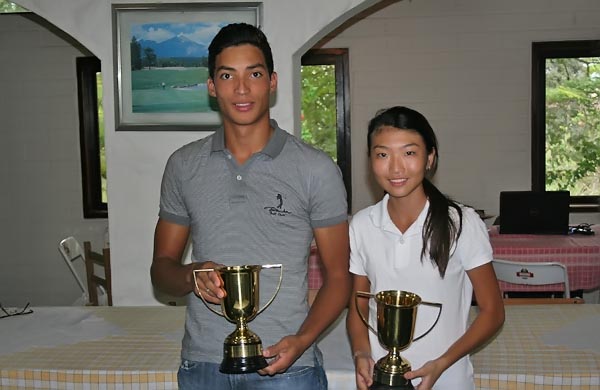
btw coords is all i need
(440, 231)
(236, 34)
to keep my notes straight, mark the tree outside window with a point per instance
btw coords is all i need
(8, 7)
(566, 120)
(326, 107)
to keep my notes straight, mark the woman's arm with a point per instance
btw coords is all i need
(359, 333)
(487, 323)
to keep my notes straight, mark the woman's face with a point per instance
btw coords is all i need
(399, 161)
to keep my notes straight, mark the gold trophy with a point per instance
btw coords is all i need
(396, 317)
(242, 349)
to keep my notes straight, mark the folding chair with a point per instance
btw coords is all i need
(71, 252)
(532, 273)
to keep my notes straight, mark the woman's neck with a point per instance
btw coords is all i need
(405, 211)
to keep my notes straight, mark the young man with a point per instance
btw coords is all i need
(251, 194)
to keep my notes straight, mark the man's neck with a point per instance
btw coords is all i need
(244, 141)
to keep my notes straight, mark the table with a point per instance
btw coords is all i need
(138, 348)
(91, 348)
(540, 347)
(580, 253)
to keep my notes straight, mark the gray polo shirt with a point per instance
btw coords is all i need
(261, 212)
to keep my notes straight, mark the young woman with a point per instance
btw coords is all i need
(416, 239)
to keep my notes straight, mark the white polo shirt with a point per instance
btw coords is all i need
(392, 261)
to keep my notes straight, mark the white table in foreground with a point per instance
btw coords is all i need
(540, 347)
(138, 348)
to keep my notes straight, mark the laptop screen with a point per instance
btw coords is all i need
(529, 212)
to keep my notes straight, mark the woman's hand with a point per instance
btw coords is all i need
(429, 374)
(364, 370)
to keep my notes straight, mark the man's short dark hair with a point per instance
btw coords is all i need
(236, 34)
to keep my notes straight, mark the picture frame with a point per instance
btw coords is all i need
(160, 63)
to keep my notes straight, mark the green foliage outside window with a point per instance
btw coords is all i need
(101, 136)
(319, 119)
(573, 125)
(7, 7)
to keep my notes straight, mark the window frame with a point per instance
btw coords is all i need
(540, 51)
(338, 57)
(89, 144)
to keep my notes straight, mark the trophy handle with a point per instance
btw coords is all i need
(439, 306)
(278, 284)
(362, 317)
(198, 289)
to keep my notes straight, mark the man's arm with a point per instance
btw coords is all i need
(331, 299)
(174, 278)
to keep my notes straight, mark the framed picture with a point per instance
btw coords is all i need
(161, 62)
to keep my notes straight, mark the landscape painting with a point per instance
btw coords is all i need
(162, 63)
(169, 66)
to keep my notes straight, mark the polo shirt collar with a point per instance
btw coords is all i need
(272, 149)
(381, 218)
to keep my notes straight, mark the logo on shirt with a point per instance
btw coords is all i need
(278, 210)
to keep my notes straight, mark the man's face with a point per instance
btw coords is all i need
(242, 85)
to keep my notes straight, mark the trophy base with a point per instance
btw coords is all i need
(385, 380)
(243, 365)
(381, 386)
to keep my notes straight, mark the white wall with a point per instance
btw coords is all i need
(466, 66)
(135, 160)
(40, 170)
(463, 63)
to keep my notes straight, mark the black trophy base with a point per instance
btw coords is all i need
(381, 386)
(243, 365)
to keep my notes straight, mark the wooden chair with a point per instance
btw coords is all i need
(94, 281)
(542, 301)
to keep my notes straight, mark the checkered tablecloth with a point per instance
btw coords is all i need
(579, 253)
(522, 356)
(143, 353)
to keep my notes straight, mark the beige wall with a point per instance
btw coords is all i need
(135, 160)
(40, 171)
(466, 66)
(463, 63)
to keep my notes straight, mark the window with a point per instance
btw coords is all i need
(10, 7)
(566, 120)
(91, 138)
(326, 107)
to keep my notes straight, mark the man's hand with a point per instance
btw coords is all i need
(208, 284)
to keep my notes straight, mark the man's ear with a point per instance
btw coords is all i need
(273, 86)
(211, 87)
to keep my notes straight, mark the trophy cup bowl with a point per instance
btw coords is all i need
(242, 349)
(396, 317)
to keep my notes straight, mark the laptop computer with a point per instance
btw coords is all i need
(529, 212)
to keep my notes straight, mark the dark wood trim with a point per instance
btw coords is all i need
(540, 51)
(91, 179)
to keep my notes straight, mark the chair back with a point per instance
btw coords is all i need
(95, 281)
(71, 251)
(532, 273)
